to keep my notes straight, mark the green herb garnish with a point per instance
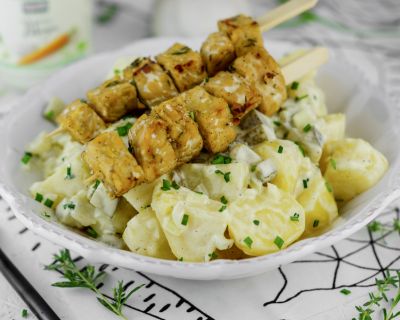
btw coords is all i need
(26, 157)
(185, 219)
(69, 205)
(175, 185)
(91, 232)
(69, 175)
(256, 222)
(123, 130)
(345, 291)
(49, 115)
(221, 159)
(191, 114)
(305, 183)
(24, 313)
(300, 98)
(39, 197)
(315, 223)
(307, 128)
(253, 168)
(333, 163)
(248, 241)
(295, 217)
(87, 277)
(48, 203)
(224, 200)
(166, 185)
(222, 208)
(226, 175)
(277, 123)
(213, 256)
(279, 242)
(303, 152)
(280, 149)
(328, 186)
(295, 85)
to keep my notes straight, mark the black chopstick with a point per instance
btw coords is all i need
(25, 290)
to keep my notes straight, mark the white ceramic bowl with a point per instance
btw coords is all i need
(369, 116)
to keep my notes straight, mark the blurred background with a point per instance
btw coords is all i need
(38, 37)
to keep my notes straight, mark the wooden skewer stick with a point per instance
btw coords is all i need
(304, 64)
(284, 12)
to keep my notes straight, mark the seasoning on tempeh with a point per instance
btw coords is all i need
(81, 122)
(149, 140)
(110, 161)
(153, 84)
(260, 69)
(181, 128)
(113, 99)
(213, 117)
(241, 96)
(217, 52)
(184, 65)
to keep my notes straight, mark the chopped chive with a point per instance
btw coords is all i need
(123, 130)
(69, 205)
(300, 98)
(295, 85)
(305, 183)
(26, 157)
(280, 149)
(222, 208)
(301, 148)
(279, 242)
(166, 185)
(248, 241)
(69, 175)
(221, 159)
(224, 200)
(226, 175)
(198, 192)
(96, 184)
(48, 203)
(175, 185)
(191, 114)
(253, 168)
(277, 123)
(307, 128)
(256, 222)
(24, 313)
(91, 232)
(180, 259)
(185, 220)
(45, 215)
(345, 291)
(295, 217)
(49, 115)
(39, 197)
(213, 256)
(315, 223)
(333, 163)
(375, 226)
(328, 186)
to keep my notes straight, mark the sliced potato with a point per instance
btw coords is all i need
(144, 236)
(193, 224)
(140, 196)
(228, 180)
(261, 221)
(352, 166)
(333, 126)
(122, 215)
(287, 158)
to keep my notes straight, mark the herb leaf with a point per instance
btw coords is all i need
(221, 159)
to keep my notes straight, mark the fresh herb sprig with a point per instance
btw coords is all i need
(88, 278)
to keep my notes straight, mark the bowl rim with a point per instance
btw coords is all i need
(99, 252)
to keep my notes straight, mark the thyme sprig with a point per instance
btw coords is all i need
(89, 278)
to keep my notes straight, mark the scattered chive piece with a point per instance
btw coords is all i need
(166, 185)
(295, 85)
(253, 168)
(333, 163)
(198, 192)
(222, 208)
(375, 226)
(279, 242)
(91, 232)
(295, 217)
(315, 223)
(213, 255)
(307, 128)
(328, 186)
(39, 197)
(117, 72)
(300, 98)
(256, 222)
(301, 148)
(175, 185)
(69, 205)
(221, 159)
(49, 115)
(191, 114)
(24, 313)
(226, 175)
(180, 259)
(305, 183)
(248, 241)
(123, 130)
(185, 220)
(96, 184)
(45, 215)
(48, 203)
(277, 123)
(26, 157)
(280, 149)
(345, 291)
(224, 200)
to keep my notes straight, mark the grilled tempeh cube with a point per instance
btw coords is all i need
(153, 84)
(149, 139)
(244, 33)
(184, 65)
(241, 96)
(111, 162)
(181, 128)
(113, 99)
(82, 123)
(217, 52)
(213, 117)
(260, 69)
